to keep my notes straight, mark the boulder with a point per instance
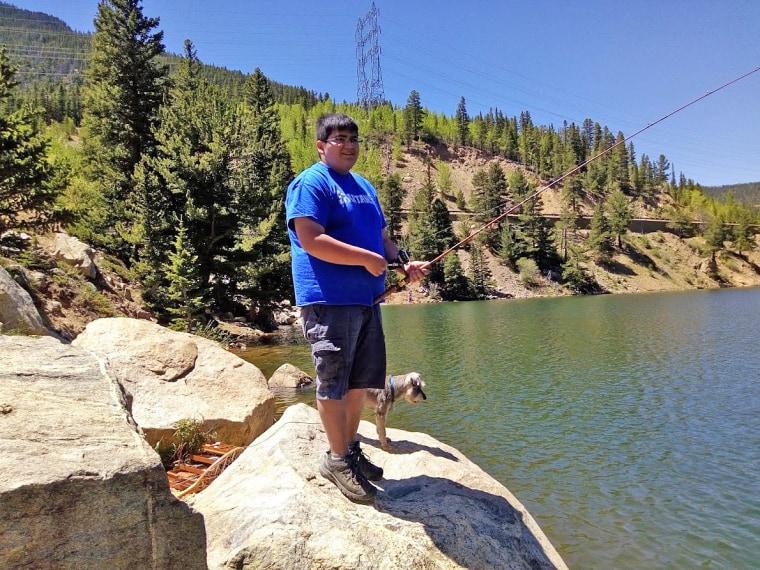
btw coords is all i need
(75, 253)
(80, 488)
(435, 509)
(171, 376)
(17, 311)
(289, 376)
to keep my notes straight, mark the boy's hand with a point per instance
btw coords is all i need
(375, 264)
(415, 270)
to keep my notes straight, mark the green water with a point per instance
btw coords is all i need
(626, 424)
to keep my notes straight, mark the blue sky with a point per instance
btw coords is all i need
(623, 64)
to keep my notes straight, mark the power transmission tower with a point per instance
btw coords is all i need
(369, 90)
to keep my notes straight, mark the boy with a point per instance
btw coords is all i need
(340, 249)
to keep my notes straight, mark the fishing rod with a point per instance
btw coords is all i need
(402, 283)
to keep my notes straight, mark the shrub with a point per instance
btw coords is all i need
(96, 302)
(212, 332)
(189, 437)
(528, 271)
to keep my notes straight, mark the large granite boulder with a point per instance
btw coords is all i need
(435, 509)
(171, 376)
(17, 311)
(80, 488)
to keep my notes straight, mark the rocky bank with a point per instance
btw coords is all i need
(83, 487)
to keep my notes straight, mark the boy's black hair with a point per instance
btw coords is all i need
(326, 124)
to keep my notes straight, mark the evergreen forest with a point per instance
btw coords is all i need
(178, 170)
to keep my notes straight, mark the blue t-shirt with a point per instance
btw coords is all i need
(346, 205)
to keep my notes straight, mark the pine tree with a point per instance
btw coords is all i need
(572, 193)
(565, 228)
(518, 185)
(661, 169)
(600, 238)
(184, 297)
(263, 173)
(478, 273)
(222, 168)
(619, 168)
(413, 117)
(715, 235)
(532, 232)
(619, 209)
(574, 276)
(511, 248)
(444, 178)
(430, 229)
(391, 194)
(27, 179)
(527, 141)
(456, 286)
(463, 123)
(185, 178)
(508, 142)
(440, 220)
(535, 232)
(743, 232)
(460, 200)
(124, 89)
(489, 192)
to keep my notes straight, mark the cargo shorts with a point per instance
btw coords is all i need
(347, 347)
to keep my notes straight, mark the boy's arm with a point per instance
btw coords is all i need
(317, 243)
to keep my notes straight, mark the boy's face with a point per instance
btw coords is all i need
(340, 151)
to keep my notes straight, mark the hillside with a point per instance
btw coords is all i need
(48, 52)
(657, 261)
(747, 194)
(43, 46)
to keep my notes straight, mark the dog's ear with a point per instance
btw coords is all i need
(417, 381)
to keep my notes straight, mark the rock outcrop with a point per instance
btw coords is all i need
(80, 488)
(435, 509)
(172, 376)
(83, 489)
(17, 310)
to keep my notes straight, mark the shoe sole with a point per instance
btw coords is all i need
(330, 476)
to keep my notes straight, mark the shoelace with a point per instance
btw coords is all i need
(353, 465)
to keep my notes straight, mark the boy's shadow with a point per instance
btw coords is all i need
(497, 535)
(444, 508)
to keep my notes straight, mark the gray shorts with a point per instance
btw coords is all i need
(347, 347)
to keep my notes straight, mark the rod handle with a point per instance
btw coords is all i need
(395, 288)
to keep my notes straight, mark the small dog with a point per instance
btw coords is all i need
(409, 386)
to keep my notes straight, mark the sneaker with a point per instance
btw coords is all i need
(371, 471)
(347, 478)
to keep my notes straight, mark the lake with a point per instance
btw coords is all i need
(628, 425)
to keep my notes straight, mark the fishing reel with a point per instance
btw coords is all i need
(401, 259)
